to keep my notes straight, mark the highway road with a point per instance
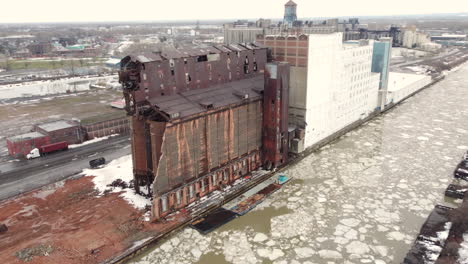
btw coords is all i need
(26, 175)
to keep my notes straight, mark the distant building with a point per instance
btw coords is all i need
(331, 82)
(43, 134)
(241, 35)
(263, 23)
(290, 15)
(113, 63)
(40, 48)
(21, 145)
(61, 130)
(414, 39)
(449, 40)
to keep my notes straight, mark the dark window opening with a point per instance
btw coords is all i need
(162, 93)
(246, 65)
(202, 58)
(185, 61)
(255, 66)
(172, 72)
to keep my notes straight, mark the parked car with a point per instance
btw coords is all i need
(97, 162)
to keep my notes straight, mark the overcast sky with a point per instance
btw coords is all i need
(137, 10)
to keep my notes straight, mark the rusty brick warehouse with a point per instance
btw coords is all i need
(202, 118)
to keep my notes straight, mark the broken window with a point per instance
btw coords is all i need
(213, 57)
(246, 65)
(255, 66)
(202, 187)
(213, 179)
(191, 191)
(224, 175)
(188, 79)
(179, 197)
(185, 61)
(202, 58)
(163, 204)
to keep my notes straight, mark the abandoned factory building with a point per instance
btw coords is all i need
(202, 118)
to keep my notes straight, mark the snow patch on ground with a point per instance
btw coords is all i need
(48, 190)
(91, 141)
(121, 168)
(463, 250)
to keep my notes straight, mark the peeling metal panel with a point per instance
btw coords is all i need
(194, 148)
(140, 166)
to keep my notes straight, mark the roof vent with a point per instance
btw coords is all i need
(258, 90)
(207, 105)
(241, 95)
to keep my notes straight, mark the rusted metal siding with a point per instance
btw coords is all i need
(197, 147)
(275, 110)
(106, 128)
(140, 165)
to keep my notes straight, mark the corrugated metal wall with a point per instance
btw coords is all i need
(194, 148)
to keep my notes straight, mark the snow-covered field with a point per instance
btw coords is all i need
(361, 199)
(40, 88)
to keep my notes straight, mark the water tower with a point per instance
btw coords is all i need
(290, 15)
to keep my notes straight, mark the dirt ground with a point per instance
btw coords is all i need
(69, 223)
(20, 117)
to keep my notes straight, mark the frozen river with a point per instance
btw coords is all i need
(361, 199)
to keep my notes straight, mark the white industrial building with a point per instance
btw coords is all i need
(331, 82)
(401, 85)
(341, 88)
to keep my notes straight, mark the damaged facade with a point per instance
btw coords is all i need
(202, 118)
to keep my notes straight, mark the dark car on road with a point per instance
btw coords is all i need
(95, 163)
